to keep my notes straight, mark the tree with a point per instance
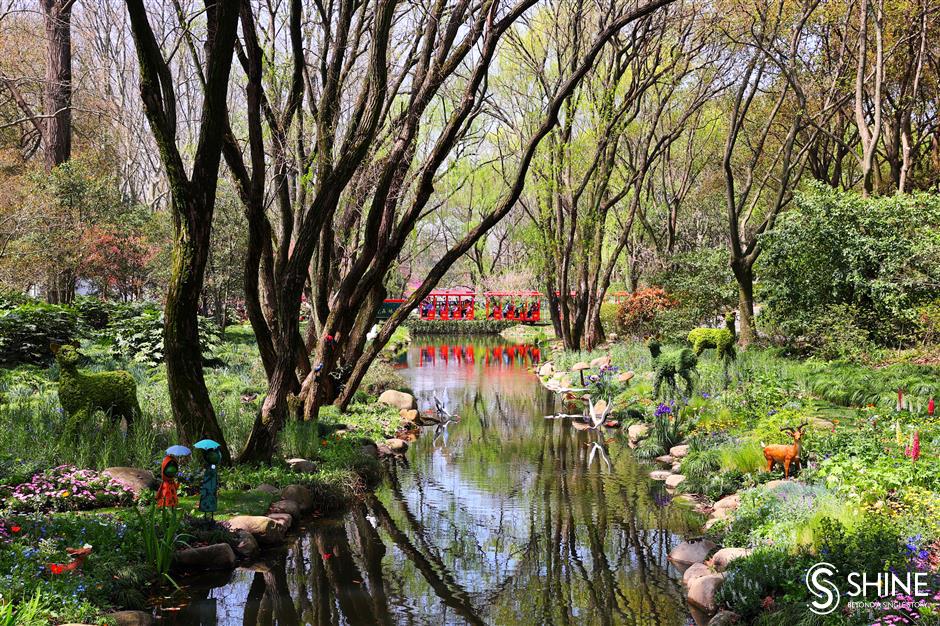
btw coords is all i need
(368, 179)
(193, 202)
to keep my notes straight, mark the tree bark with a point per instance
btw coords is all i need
(57, 92)
(744, 275)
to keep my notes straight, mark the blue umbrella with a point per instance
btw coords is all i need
(178, 450)
(207, 444)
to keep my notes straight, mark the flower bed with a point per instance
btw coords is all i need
(67, 488)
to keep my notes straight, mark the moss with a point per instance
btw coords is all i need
(83, 393)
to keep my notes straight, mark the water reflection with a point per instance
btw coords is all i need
(502, 518)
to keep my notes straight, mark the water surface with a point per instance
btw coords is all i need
(501, 518)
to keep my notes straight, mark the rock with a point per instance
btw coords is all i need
(690, 552)
(268, 488)
(216, 556)
(665, 459)
(397, 446)
(384, 450)
(283, 520)
(674, 480)
(730, 503)
(370, 450)
(601, 361)
(660, 474)
(264, 529)
(285, 506)
(612, 336)
(679, 452)
(132, 618)
(398, 399)
(302, 465)
(300, 495)
(547, 369)
(625, 377)
(723, 557)
(409, 415)
(676, 467)
(702, 592)
(724, 618)
(246, 546)
(821, 424)
(133, 479)
(711, 522)
(638, 431)
(696, 570)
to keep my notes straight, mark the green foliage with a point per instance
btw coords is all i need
(835, 334)
(33, 612)
(702, 285)
(160, 536)
(457, 327)
(94, 313)
(609, 316)
(877, 257)
(139, 336)
(27, 331)
(768, 571)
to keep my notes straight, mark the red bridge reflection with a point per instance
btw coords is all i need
(506, 355)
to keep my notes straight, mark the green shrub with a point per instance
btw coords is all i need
(27, 331)
(609, 317)
(93, 312)
(835, 334)
(140, 337)
(765, 572)
(12, 299)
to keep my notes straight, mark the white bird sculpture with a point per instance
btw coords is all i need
(598, 418)
(373, 333)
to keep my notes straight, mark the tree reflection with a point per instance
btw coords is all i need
(506, 518)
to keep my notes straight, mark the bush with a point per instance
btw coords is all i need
(877, 256)
(765, 572)
(638, 313)
(609, 311)
(834, 334)
(140, 337)
(92, 312)
(27, 331)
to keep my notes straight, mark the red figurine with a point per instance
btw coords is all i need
(166, 494)
(930, 407)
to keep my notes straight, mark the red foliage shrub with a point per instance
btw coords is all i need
(637, 313)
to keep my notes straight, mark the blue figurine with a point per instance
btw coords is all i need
(209, 489)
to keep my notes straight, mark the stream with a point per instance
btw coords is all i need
(503, 517)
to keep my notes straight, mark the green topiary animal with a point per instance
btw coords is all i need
(83, 393)
(721, 339)
(670, 364)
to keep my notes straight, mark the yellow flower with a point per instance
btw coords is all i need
(65, 494)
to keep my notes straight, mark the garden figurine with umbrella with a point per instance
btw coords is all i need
(169, 470)
(209, 490)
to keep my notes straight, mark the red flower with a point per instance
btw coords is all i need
(15, 529)
(55, 568)
(327, 556)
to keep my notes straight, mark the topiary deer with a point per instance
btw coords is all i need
(670, 364)
(785, 454)
(83, 393)
(721, 339)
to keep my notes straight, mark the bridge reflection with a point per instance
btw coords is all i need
(504, 355)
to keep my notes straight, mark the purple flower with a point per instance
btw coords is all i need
(662, 409)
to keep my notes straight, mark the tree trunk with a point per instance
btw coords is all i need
(192, 409)
(744, 274)
(57, 96)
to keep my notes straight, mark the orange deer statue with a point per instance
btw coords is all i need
(785, 454)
